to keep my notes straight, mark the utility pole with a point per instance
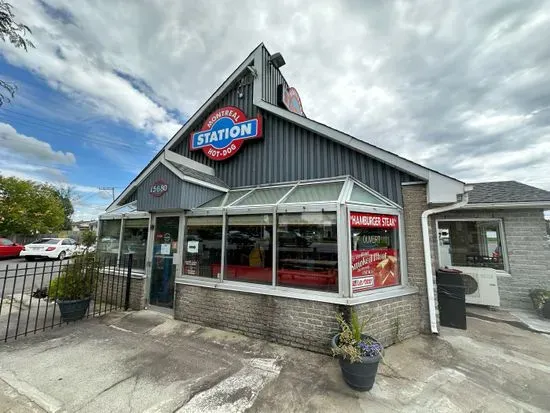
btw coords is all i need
(108, 188)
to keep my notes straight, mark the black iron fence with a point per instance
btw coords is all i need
(39, 295)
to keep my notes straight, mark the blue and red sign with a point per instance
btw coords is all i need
(224, 132)
(289, 98)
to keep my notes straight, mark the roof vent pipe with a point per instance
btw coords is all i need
(428, 253)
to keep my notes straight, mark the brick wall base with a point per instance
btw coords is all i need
(298, 323)
(111, 289)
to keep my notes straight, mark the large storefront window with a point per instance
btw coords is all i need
(108, 240)
(203, 247)
(374, 251)
(249, 248)
(134, 241)
(471, 244)
(307, 251)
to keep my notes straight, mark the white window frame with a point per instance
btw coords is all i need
(502, 237)
(404, 275)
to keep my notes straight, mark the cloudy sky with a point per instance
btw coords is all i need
(459, 86)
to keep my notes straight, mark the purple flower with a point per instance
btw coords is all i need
(370, 349)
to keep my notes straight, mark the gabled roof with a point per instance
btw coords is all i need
(201, 176)
(506, 192)
(441, 188)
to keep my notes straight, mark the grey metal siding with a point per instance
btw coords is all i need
(193, 195)
(272, 78)
(243, 86)
(131, 197)
(288, 152)
(170, 200)
(180, 194)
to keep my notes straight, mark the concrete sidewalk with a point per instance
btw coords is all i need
(147, 362)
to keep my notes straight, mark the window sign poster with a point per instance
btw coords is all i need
(193, 247)
(165, 249)
(374, 255)
(374, 268)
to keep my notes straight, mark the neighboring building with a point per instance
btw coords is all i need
(85, 226)
(501, 233)
(256, 219)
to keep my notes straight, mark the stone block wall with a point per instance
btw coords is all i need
(528, 253)
(295, 322)
(111, 289)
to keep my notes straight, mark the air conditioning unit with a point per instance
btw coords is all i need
(481, 286)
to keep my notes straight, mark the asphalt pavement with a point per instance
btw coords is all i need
(148, 362)
(18, 275)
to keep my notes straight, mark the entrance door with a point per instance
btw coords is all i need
(163, 270)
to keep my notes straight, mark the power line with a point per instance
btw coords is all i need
(95, 137)
(108, 188)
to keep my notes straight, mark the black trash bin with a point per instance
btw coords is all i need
(451, 298)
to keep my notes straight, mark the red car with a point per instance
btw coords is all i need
(9, 249)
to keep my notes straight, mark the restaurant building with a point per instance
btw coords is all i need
(256, 219)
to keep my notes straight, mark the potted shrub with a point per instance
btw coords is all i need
(541, 302)
(358, 353)
(72, 289)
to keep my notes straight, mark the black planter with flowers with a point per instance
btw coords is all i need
(359, 353)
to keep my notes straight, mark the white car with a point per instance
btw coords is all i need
(55, 248)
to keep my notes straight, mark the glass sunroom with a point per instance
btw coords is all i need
(124, 230)
(329, 238)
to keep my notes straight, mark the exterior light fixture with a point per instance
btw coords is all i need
(277, 60)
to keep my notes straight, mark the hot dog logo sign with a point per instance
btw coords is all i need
(224, 132)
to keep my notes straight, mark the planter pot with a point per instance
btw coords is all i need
(361, 375)
(545, 310)
(73, 310)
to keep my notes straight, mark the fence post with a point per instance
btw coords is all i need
(128, 282)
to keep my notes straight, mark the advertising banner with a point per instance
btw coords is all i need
(374, 268)
(369, 220)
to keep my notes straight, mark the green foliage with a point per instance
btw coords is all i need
(65, 195)
(77, 280)
(539, 298)
(15, 33)
(88, 238)
(347, 343)
(28, 208)
(350, 338)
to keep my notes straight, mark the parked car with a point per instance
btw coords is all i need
(9, 249)
(55, 248)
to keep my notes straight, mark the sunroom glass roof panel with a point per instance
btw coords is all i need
(234, 195)
(359, 194)
(315, 193)
(264, 196)
(213, 203)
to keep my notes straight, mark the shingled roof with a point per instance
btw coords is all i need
(506, 192)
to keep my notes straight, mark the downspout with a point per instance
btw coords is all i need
(428, 254)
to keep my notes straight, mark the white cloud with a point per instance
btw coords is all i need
(461, 86)
(29, 147)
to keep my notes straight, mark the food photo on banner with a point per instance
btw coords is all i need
(374, 251)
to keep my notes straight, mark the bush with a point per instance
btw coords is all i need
(352, 343)
(88, 238)
(77, 279)
(539, 298)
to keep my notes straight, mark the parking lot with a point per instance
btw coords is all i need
(18, 275)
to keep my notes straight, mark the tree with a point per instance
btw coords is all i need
(88, 238)
(28, 208)
(15, 33)
(65, 195)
